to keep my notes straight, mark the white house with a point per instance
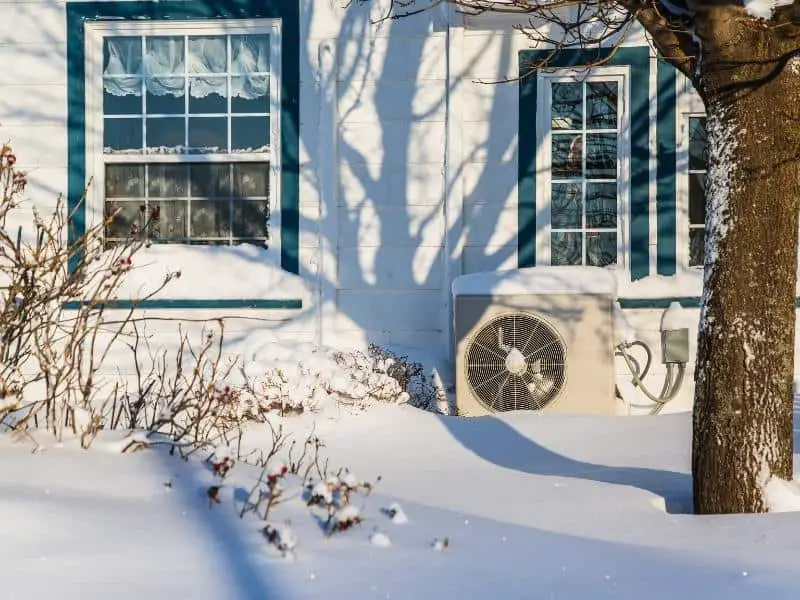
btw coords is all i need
(367, 164)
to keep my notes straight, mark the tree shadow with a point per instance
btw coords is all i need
(494, 440)
(249, 580)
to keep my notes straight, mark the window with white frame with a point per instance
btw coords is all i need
(183, 127)
(583, 153)
(697, 171)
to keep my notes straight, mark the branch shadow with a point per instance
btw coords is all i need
(219, 523)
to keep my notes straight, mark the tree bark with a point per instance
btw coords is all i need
(745, 364)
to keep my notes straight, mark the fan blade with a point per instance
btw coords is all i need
(499, 393)
(541, 348)
(531, 336)
(488, 381)
(491, 351)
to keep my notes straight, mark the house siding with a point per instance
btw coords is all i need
(405, 165)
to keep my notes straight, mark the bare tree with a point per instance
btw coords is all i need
(744, 61)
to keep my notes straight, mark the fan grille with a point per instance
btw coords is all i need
(495, 370)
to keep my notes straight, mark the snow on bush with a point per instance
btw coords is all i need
(292, 380)
(396, 513)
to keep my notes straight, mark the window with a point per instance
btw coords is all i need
(583, 151)
(698, 167)
(185, 136)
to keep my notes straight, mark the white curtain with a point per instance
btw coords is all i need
(165, 64)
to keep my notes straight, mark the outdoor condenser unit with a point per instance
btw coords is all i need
(539, 338)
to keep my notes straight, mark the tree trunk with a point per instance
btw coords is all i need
(745, 363)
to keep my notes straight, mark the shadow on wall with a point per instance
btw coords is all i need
(385, 223)
(389, 94)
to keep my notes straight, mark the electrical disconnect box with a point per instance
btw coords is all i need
(674, 336)
(675, 346)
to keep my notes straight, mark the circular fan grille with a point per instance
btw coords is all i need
(516, 362)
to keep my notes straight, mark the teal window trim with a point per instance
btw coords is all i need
(638, 60)
(645, 303)
(209, 304)
(685, 302)
(78, 13)
(666, 170)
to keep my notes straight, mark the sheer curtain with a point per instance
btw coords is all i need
(165, 65)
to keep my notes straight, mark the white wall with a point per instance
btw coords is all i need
(408, 169)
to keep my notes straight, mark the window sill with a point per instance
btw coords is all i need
(199, 303)
(211, 277)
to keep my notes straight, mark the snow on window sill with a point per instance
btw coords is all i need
(212, 277)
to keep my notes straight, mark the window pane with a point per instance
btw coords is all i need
(208, 134)
(250, 218)
(122, 96)
(566, 206)
(696, 247)
(122, 135)
(567, 155)
(124, 181)
(168, 220)
(567, 106)
(250, 94)
(196, 94)
(122, 55)
(126, 222)
(601, 156)
(250, 179)
(698, 144)
(208, 95)
(566, 248)
(210, 219)
(601, 105)
(167, 181)
(601, 248)
(211, 181)
(165, 135)
(601, 205)
(164, 56)
(249, 134)
(697, 198)
(250, 54)
(208, 54)
(165, 95)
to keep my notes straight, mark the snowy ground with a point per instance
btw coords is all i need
(534, 506)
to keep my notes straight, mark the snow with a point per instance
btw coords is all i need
(396, 513)
(348, 513)
(217, 272)
(381, 540)
(540, 280)
(781, 495)
(567, 506)
(764, 9)
(674, 317)
(688, 283)
(306, 377)
(623, 331)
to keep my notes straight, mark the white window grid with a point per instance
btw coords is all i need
(689, 105)
(544, 179)
(692, 227)
(96, 158)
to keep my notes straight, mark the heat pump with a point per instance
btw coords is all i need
(537, 339)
